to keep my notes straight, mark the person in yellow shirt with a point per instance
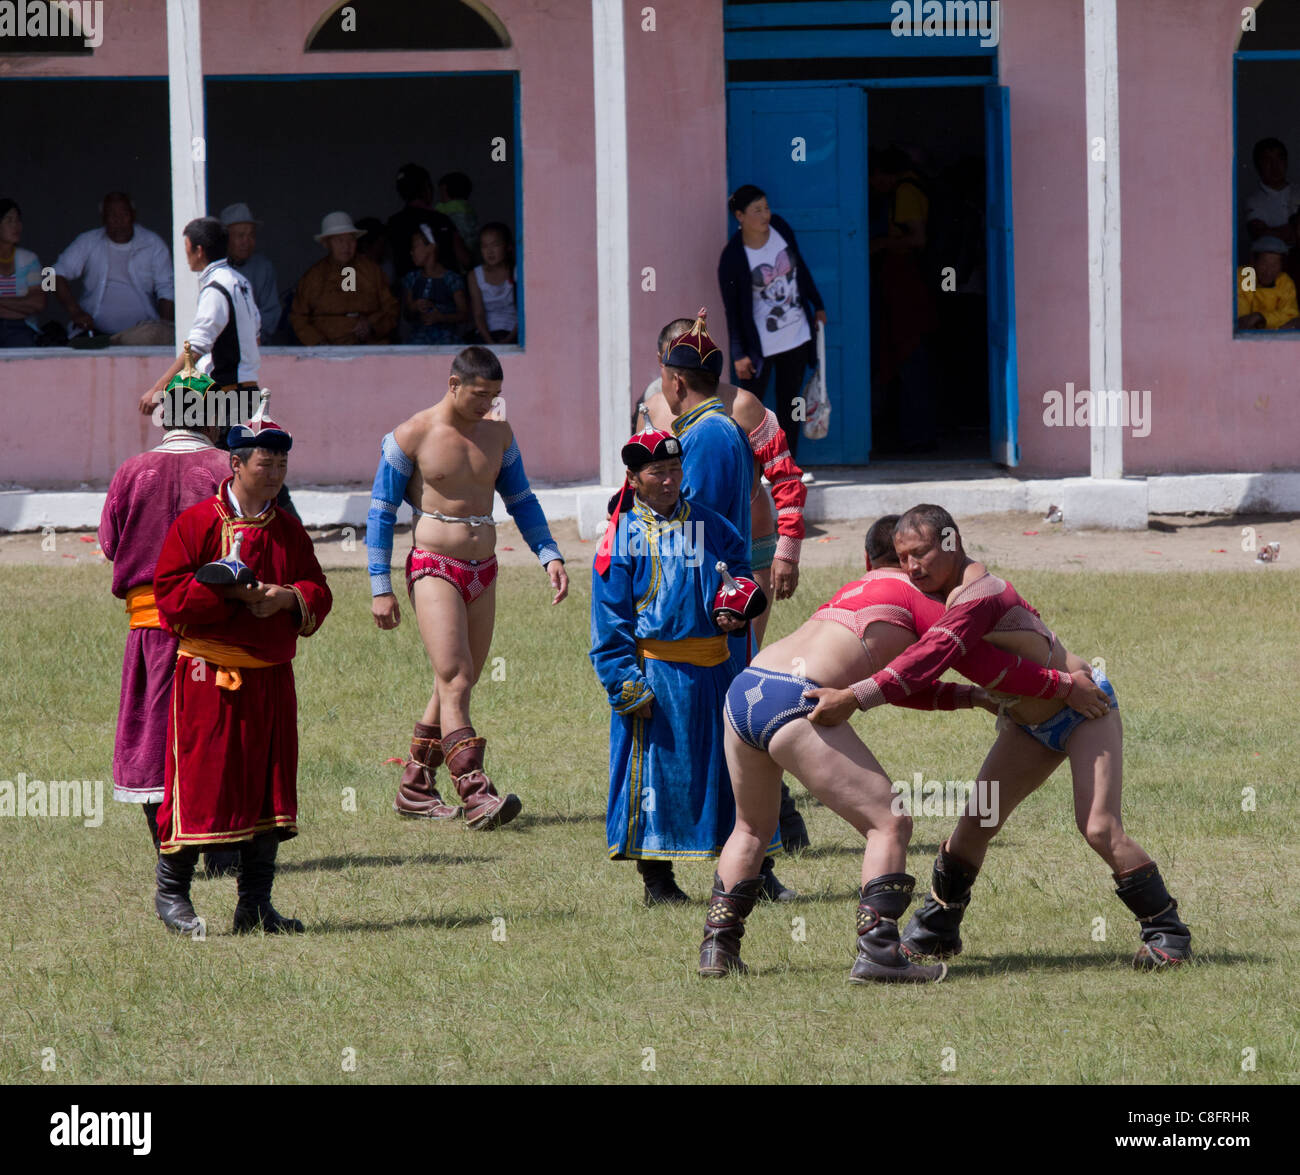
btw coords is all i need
(336, 307)
(1266, 300)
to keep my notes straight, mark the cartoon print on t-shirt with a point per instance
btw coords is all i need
(776, 287)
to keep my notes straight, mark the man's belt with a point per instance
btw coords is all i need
(142, 608)
(692, 650)
(228, 660)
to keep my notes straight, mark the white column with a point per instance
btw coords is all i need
(189, 189)
(1104, 327)
(613, 299)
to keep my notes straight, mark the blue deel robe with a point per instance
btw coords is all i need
(669, 792)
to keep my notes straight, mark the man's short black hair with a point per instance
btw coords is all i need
(697, 379)
(676, 328)
(458, 185)
(880, 542)
(928, 517)
(744, 196)
(412, 181)
(1269, 144)
(476, 365)
(209, 234)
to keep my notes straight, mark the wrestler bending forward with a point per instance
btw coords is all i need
(864, 626)
(446, 461)
(1037, 739)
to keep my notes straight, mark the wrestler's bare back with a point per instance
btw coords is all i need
(457, 462)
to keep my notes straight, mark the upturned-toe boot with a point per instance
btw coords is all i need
(484, 808)
(417, 796)
(933, 929)
(880, 959)
(724, 927)
(1166, 940)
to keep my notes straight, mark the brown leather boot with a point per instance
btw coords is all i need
(484, 809)
(724, 926)
(416, 794)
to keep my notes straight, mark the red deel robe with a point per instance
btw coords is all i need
(232, 754)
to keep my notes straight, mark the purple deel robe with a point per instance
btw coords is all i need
(145, 497)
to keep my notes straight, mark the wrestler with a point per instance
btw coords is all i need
(232, 734)
(1039, 737)
(446, 460)
(871, 621)
(659, 648)
(145, 497)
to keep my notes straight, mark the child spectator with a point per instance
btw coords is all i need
(433, 296)
(1270, 301)
(453, 202)
(492, 286)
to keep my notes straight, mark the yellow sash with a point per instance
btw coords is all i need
(692, 650)
(142, 608)
(228, 660)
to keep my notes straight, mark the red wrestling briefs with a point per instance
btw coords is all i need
(470, 577)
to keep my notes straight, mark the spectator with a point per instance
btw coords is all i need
(433, 296)
(415, 187)
(373, 243)
(492, 286)
(1271, 207)
(453, 201)
(241, 252)
(21, 296)
(1270, 302)
(126, 274)
(767, 292)
(343, 309)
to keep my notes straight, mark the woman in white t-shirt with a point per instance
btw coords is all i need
(492, 286)
(771, 302)
(21, 296)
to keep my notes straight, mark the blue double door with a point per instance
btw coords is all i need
(806, 146)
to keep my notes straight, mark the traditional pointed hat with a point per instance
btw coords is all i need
(260, 432)
(694, 350)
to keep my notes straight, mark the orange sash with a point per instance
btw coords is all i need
(692, 650)
(228, 660)
(142, 608)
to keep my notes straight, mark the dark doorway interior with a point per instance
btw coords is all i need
(929, 309)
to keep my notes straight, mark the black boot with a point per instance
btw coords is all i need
(933, 930)
(221, 863)
(1166, 941)
(794, 832)
(660, 886)
(773, 890)
(151, 819)
(880, 959)
(174, 873)
(254, 911)
(724, 927)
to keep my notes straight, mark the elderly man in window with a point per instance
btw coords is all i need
(343, 299)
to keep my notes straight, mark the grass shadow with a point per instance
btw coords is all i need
(438, 921)
(336, 864)
(818, 851)
(528, 820)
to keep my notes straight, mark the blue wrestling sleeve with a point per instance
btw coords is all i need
(525, 509)
(395, 469)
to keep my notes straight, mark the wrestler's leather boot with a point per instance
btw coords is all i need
(221, 863)
(773, 890)
(933, 929)
(416, 794)
(174, 873)
(661, 888)
(254, 911)
(724, 927)
(484, 809)
(794, 832)
(880, 960)
(1166, 941)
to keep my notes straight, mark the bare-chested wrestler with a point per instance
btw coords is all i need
(446, 461)
(864, 626)
(1039, 737)
(776, 515)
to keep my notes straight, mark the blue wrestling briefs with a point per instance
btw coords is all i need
(1056, 731)
(760, 702)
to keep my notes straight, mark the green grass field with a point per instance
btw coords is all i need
(406, 974)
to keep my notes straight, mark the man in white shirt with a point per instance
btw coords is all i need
(241, 251)
(1271, 206)
(126, 277)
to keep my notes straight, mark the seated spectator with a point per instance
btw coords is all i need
(241, 252)
(492, 286)
(415, 187)
(1270, 301)
(21, 296)
(331, 307)
(126, 272)
(453, 201)
(433, 296)
(1270, 209)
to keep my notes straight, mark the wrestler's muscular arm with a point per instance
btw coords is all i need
(392, 479)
